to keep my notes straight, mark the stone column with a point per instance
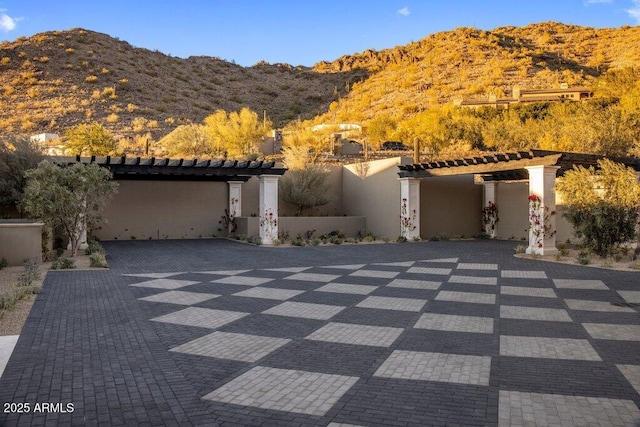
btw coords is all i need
(268, 208)
(490, 193)
(235, 202)
(410, 208)
(542, 180)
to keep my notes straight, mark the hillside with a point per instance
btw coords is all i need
(54, 80)
(473, 63)
(58, 79)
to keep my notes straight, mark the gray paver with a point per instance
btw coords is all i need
(284, 390)
(391, 303)
(346, 333)
(153, 275)
(605, 331)
(396, 264)
(201, 317)
(632, 374)
(346, 288)
(305, 310)
(449, 322)
(534, 313)
(225, 345)
(439, 367)
(414, 284)
(375, 273)
(476, 266)
(429, 270)
(630, 296)
(268, 293)
(523, 274)
(468, 297)
(547, 348)
(242, 280)
(528, 292)
(473, 280)
(442, 260)
(584, 305)
(179, 297)
(313, 277)
(164, 284)
(535, 409)
(579, 284)
(345, 266)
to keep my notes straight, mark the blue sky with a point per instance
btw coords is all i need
(298, 32)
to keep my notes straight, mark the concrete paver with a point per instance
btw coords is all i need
(215, 332)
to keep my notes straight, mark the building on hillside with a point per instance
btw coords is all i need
(521, 96)
(49, 143)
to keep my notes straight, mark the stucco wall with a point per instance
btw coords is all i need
(450, 206)
(20, 240)
(164, 210)
(513, 210)
(372, 189)
(294, 225)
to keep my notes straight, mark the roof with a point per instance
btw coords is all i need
(503, 166)
(124, 168)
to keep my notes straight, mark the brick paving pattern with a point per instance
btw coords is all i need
(215, 332)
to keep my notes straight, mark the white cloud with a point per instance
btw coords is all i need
(404, 11)
(634, 11)
(7, 23)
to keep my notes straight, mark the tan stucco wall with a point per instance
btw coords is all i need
(295, 225)
(165, 210)
(372, 189)
(20, 240)
(513, 211)
(450, 206)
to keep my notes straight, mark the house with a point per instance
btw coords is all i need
(522, 96)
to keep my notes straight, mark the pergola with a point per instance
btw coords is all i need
(539, 167)
(234, 172)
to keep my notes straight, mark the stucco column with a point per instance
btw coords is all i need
(235, 202)
(82, 226)
(490, 196)
(542, 222)
(268, 208)
(410, 208)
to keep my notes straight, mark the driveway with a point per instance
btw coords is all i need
(214, 332)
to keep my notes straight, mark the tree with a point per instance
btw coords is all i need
(68, 197)
(305, 188)
(602, 205)
(302, 145)
(90, 140)
(236, 134)
(16, 157)
(189, 141)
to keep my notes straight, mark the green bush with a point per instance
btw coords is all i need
(98, 260)
(30, 273)
(603, 217)
(63, 263)
(3, 263)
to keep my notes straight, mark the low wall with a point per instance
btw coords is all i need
(294, 225)
(20, 240)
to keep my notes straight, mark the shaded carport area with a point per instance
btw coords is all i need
(537, 168)
(181, 198)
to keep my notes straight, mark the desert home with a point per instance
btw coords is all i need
(522, 96)
(190, 199)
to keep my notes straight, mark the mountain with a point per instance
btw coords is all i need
(54, 80)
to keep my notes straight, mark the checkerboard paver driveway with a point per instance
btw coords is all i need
(215, 332)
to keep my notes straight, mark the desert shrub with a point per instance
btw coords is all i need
(30, 273)
(3, 263)
(98, 260)
(305, 188)
(602, 205)
(63, 264)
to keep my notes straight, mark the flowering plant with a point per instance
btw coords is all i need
(539, 220)
(407, 222)
(490, 218)
(269, 225)
(228, 220)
